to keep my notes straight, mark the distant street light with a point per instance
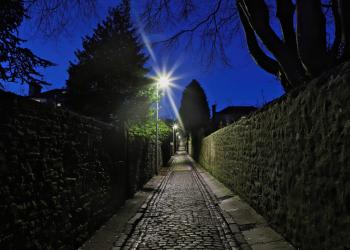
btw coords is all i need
(174, 128)
(162, 82)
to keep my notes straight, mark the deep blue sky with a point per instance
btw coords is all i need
(242, 84)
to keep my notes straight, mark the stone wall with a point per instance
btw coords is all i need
(291, 161)
(62, 175)
(141, 162)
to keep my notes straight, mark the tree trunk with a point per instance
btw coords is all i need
(258, 16)
(344, 16)
(264, 61)
(285, 14)
(261, 59)
(335, 52)
(311, 36)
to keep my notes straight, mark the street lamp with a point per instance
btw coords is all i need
(174, 128)
(163, 82)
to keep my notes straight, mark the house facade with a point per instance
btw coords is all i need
(229, 115)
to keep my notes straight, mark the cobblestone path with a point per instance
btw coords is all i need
(181, 216)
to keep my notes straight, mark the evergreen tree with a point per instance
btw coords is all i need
(110, 69)
(194, 109)
(17, 64)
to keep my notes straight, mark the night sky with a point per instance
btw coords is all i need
(242, 84)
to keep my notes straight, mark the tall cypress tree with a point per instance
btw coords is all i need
(194, 109)
(110, 69)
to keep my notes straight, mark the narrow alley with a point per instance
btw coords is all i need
(182, 215)
(186, 209)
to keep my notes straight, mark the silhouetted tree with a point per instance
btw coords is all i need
(17, 64)
(195, 114)
(297, 55)
(194, 110)
(110, 69)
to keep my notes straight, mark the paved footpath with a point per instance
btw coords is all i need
(186, 208)
(182, 215)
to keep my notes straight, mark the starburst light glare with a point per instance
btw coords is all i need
(164, 81)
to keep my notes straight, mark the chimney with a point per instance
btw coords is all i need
(34, 90)
(213, 110)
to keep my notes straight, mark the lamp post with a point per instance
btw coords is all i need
(174, 128)
(162, 82)
(157, 127)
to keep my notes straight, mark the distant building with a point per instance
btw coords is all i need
(229, 115)
(55, 97)
(34, 89)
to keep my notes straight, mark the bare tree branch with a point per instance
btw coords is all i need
(54, 17)
(296, 57)
(207, 19)
(264, 61)
(258, 16)
(213, 30)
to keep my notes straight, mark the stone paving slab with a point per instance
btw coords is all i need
(252, 230)
(219, 189)
(241, 212)
(280, 245)
(261, 235)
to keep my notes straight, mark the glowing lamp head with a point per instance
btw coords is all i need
(175, 126)
(164, 82)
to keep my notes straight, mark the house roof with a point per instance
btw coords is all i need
(52, 92)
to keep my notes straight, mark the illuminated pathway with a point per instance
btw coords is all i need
(182, 215)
